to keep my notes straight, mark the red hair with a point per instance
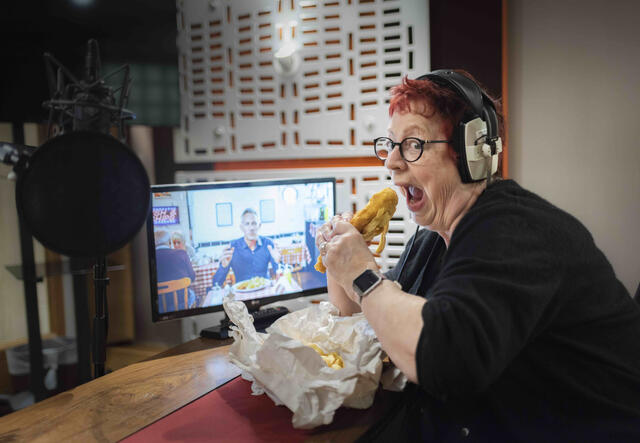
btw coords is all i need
(427, 98)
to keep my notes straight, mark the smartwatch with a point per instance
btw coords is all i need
(367, 282)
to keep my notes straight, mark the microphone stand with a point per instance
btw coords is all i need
(88, 104)
(100, 322)
(29, 280)
(18, 155)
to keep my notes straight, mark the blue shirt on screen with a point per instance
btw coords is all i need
(246, 263)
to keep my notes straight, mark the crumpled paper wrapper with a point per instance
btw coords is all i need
(281, 364)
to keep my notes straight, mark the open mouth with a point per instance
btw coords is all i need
(415, 197)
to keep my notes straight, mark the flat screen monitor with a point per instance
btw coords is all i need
(255, 239)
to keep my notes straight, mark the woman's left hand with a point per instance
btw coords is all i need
(345, 253)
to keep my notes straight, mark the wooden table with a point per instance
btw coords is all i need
(121, 403)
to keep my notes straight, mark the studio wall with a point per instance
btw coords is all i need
(573, 100)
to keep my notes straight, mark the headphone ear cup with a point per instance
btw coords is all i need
(459, 147)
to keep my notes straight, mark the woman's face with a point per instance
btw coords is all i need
(428, 183)
(178, 244)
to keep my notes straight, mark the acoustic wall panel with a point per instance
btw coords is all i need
(324, 98)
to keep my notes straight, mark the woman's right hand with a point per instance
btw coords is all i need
(227, 253)
(337, 295)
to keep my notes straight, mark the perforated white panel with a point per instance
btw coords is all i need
(235, 105)
(354, 188)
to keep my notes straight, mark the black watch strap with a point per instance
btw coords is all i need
(367, 282)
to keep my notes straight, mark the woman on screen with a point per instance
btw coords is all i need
(179, 242)
(172, 264)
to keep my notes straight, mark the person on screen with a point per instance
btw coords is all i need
(249, 255)
(179, 242)
(172, 264)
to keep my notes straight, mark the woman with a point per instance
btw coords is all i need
(178, 240)
(508, 321)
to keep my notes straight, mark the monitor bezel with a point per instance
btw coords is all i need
(251, 304)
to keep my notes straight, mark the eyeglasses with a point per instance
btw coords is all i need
(410, 148)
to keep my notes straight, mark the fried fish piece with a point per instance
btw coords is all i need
(372, 220)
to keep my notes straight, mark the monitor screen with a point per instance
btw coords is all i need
(255, 239)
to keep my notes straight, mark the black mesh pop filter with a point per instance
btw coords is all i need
(84, 194)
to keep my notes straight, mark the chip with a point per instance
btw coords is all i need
(333, 360)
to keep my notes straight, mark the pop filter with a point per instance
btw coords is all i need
(83, 194)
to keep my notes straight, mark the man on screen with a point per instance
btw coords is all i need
(250, 255)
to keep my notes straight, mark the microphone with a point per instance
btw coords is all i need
(91, 110)
(83, 193)
(88, 104)
(92, 62)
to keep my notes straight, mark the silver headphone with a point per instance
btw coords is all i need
(476, 137)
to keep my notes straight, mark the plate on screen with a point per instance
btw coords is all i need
(251, 285)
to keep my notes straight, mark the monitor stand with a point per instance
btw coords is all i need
(262, 319)
(219, 331)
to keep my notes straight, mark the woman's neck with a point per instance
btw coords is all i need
(461, 201)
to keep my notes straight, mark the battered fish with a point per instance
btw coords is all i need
(372, 220)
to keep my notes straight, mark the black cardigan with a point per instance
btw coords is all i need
(528, 335)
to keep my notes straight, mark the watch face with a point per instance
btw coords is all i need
(365, 280)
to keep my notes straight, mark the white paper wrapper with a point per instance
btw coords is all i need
(281, 364)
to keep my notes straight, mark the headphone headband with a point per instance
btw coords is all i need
(466, 88)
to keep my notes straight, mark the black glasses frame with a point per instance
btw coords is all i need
(394, 144)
